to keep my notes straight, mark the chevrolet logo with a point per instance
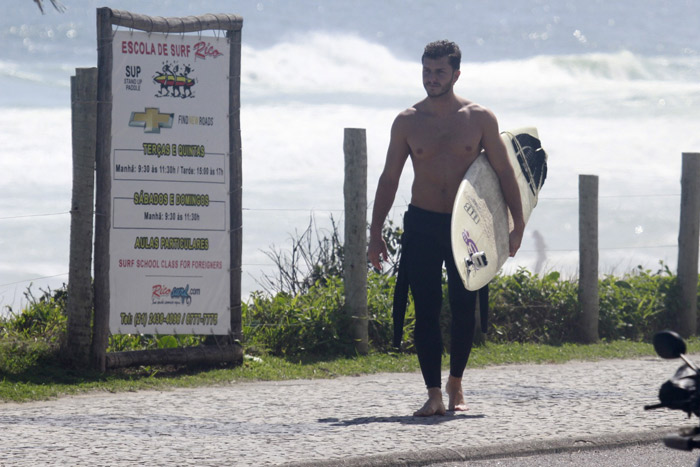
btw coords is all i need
(151, 120)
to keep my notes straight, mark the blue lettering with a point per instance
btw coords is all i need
(182, 293)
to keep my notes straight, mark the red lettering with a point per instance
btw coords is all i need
(181, 50)
(143, 48)
(160, 291)
(204, 50)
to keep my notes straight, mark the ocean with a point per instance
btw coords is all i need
(613, 88)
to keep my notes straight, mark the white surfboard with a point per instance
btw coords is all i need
(481, 221)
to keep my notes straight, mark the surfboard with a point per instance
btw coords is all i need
(172, 80)
(481, 221)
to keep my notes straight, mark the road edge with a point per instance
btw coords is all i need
(495, 451)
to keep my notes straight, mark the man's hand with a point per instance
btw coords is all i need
(377, 251)
(515, 238)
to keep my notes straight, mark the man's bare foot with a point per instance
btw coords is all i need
(434, 405)
(455, 394)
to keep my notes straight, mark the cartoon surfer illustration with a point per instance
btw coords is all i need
(174, 83)
(187, 89)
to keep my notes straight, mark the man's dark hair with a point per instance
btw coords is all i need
(443, 48)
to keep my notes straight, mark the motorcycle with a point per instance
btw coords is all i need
(681, 392)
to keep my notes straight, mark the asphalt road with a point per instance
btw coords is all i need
(356, 421)
(655, 454)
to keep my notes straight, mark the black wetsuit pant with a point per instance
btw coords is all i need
(425, 247)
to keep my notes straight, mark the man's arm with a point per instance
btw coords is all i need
(386, 190)
(498, 158)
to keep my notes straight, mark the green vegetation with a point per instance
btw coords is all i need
(531, 308)
(524, 308)
(296, 328)
(301, 336)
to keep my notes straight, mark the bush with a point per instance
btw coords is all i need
(315, 322)
(302, 310)
(304, 323)
(35, 334)
(637, 305)
(526, 307)
(44, 317)
(529, 308)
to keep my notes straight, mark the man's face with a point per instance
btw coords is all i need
(438, 76)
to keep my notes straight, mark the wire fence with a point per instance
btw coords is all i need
(340, 211)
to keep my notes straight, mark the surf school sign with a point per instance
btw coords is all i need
(169, 237)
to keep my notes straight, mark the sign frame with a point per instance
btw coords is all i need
(107, 18)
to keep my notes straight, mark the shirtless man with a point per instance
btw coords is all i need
(443, 134)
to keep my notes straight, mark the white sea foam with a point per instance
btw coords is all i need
(308, 66)
(624, 116)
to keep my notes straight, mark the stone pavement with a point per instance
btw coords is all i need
(362, 420)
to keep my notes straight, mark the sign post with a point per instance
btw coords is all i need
(167, 253)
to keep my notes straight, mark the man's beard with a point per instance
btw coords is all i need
(435, 93)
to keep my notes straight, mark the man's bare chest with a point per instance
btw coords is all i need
(434, 141)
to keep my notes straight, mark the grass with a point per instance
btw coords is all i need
(41, 378)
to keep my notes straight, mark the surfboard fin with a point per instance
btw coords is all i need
(475, 261)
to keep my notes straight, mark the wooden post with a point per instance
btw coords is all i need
(588, 258)
(83, 123)
(201, 355)
(355, 251)
(103, 208)
(688, 238)
(236, 183)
